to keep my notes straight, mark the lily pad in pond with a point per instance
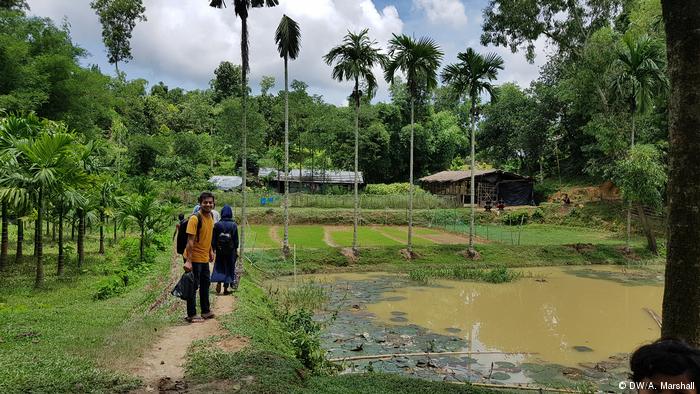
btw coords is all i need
(399, 319)
(394, 298)
(582, 349)
(500, 376)
(453, 330)
(398, 313)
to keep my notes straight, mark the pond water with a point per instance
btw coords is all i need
(577, 320)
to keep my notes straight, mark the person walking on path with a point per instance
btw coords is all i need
(198, 254)
(225, 242)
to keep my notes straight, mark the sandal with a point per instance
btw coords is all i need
(218, 288)
(194, 319)
(207, 315)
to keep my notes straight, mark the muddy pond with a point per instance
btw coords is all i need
(555, 326)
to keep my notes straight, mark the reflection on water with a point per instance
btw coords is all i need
(565, 318)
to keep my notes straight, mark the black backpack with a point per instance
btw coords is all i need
(182, 233)
(224, 244)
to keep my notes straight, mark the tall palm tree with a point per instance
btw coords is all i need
(288, 38)
(640, 75)
(470, 77)
(241, 8)
(418, 61)
(354, 60)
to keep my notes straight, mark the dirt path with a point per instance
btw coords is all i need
(162, 366)
(274, 234)
(327, 237)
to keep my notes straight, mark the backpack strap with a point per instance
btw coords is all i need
(199, 226)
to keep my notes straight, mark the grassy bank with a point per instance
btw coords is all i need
(445, 256)
(61, 338)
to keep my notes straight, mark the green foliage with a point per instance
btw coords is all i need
(112, 285)
(390, 189)
(227, 82)
(515, 218)
(494, 275)
(305, 337)
(641, 176)
(118, 19)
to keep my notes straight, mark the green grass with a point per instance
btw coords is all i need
(59, 339)
(258, 236)
(493, 255)
(494, 275)
(304, 236)
(366, 237)
(402, 233)
(547, 234)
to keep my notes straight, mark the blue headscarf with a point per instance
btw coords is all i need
(226, 212)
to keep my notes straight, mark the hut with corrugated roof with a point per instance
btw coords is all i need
(305, 179)
(490, 186)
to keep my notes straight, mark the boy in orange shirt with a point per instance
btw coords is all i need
(198, 254)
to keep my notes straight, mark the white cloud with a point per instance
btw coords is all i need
(443, 11)
(182, 42)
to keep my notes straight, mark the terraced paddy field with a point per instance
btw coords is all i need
(261, 236)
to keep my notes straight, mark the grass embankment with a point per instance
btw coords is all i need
(60, 338)
(445, 256)
(277, 358)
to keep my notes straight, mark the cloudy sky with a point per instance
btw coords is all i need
(184, 40)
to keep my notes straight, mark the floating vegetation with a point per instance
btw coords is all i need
(494, 275)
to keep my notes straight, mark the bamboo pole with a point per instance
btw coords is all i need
(518, 387)
(654, 316)
(391, 355)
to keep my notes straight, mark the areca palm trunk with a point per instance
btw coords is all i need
(285, 247)
(472, 179)
(681, 304)
(410, 189)
(61, 255)
(629, 205)
(39, 281)
(5, 236)
(81, 237)
(102, 235)
(244, 75)
(20, 240)
(355, 181)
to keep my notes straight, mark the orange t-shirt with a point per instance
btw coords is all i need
(201, 247)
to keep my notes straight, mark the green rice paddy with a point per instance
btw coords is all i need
(304, 236)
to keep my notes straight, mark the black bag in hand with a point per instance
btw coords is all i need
(184, 288)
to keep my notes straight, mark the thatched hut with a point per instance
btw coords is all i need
(491, 185)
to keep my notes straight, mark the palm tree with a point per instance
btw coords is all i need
(107, 200)
(288, 38)
(471, 76)
(354, 60)
(418, 61)
(46, 157)
(241, 8)
(640, 64)
(147, 212)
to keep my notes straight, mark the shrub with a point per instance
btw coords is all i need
(113, 285)
(305, 332)
(391, 188)
(514, 218)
